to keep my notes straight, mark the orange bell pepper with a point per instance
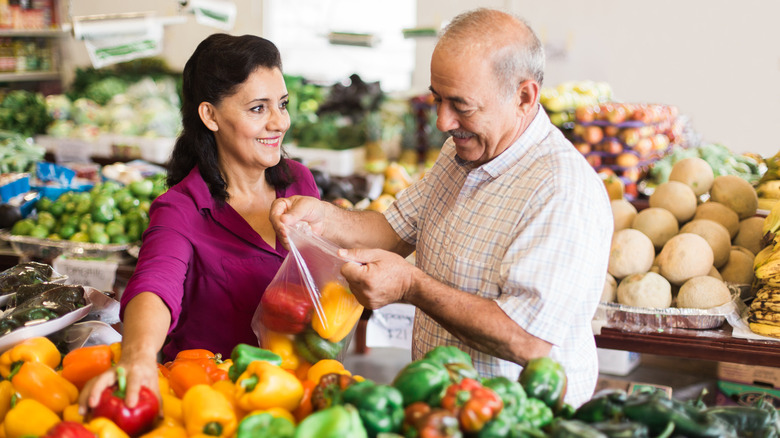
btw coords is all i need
(37, 381)
(326, 366)
(82, 364)
(340, 312)
(29, 418)
(38, 349)
(186, 374)
(207, 360)
(305, 407)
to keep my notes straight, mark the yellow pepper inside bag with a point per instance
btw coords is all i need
(340, 312)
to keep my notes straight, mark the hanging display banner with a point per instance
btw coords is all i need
(119, 40)
(214, 13)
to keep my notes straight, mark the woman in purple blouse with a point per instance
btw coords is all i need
(210, 250)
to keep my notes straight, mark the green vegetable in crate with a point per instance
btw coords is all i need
(657, 411)
(381, 407)
(535, 413)
(423, 380)
(339, 421)
(545, 379)
(24, 112)
(574, 429)
(606, 406)
(244, 354)
(761, 419)
(456, 361)
(511, 393)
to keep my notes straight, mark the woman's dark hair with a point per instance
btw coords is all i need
(219, 65)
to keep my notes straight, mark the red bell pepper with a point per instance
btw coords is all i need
(133, 421)
(69, 429)
(473, 404)
(286, 308)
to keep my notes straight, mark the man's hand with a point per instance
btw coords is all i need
(379, 277)
(289, 211)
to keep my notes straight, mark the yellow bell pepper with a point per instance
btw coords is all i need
(171, 408)
(282, 344)
(29, 418)
(326, 366)
(264, 385)
(225, 364)
(105, 428)
(37, 381)
(207, 411)
(71, 413)
(162, 382)
(7, 392)
(340, 310)
(116, 351)
(228, 389)
(167, 431)
(39, 349)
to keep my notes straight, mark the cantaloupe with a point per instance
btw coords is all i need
(714, 273)
(623, 213)
(739, 268)
(719, 213)
(693, 172)
(736, 194)
(676, 197)
(703, 293)
(631, 252)
(685, 256)
(716, 235)
(750, 234)
(659, 224)
(645, 290)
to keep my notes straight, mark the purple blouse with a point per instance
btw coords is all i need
(207, 264)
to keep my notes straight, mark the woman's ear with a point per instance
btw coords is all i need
(207, 116)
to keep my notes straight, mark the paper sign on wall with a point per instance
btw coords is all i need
(391, 326)
(99, 274)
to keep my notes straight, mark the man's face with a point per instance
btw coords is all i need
(472, 107)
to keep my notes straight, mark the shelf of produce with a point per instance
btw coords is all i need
(715, 345)
(51, 33)
(30, 76)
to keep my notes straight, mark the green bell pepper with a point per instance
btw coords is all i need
(627, 429)
(265, 425)
(381, 407)
(456, 361)
(499, 427)
(339, 421)
(545, 379)
(536, 413)
(313, 348)
(244, 354)
(511, 393)
(524, 430)
(422, 380)
(605, 406)
(748, 420)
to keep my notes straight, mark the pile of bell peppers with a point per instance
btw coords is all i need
(253, 394)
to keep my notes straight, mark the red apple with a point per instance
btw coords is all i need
(593, 134)
(612, 146)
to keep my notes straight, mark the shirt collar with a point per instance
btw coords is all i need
(197, 188)
(533, 134)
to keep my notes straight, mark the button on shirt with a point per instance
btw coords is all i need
(207, 264)
(530, 229)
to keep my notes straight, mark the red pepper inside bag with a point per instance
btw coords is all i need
(309, 298)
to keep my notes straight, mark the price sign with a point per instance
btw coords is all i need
(391, 326)
(99, 274)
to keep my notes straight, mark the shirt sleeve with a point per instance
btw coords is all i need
(404, 214)
(551, 273)
(164, 258)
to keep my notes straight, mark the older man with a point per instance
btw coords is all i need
(511, 226)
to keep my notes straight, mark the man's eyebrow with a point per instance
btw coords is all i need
(452, 98)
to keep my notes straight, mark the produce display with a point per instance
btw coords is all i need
(108, 213)
(681, 252)
(17, 153)
(253, 394)
(764, 311)
(562, 101)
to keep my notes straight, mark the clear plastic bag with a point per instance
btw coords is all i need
(307, 312)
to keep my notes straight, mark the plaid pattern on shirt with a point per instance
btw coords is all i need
(530, 229)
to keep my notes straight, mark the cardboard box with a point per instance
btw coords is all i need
(617, 362)
(740, 384)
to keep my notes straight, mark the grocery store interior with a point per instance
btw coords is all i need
(90, 98)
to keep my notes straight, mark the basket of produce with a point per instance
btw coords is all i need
(42, 248)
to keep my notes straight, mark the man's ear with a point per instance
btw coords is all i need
(207, 116)
(527, 96)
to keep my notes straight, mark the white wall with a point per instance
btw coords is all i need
(717, 60)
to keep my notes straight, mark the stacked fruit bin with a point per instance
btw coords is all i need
(624, 139)
(561, 102)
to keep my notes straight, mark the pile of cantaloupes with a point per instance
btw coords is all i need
(699, 233)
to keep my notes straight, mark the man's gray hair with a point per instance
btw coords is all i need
(514, 63)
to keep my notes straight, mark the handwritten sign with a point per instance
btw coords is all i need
(99, 274)
(391, 326)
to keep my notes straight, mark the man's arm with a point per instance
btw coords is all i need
(384, 278)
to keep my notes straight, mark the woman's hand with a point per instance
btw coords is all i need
(140, 372)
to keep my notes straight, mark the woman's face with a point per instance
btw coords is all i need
(250, 124)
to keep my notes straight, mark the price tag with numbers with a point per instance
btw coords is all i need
(391, 326)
